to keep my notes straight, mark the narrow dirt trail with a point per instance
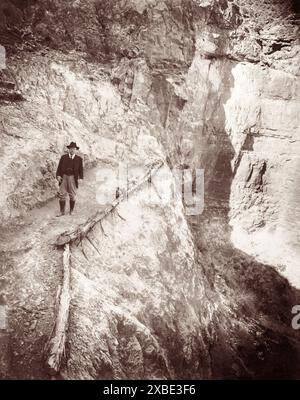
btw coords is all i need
(43, 221)
(30, 277)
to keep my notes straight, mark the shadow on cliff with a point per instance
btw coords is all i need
(250, 330)
(252, 334)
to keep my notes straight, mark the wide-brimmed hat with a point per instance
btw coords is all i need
(73, 144)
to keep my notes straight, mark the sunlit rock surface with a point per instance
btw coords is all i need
(156, 293)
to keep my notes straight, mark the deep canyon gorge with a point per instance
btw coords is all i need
(156, 293)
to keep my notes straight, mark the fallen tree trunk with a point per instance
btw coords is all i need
(78, 234)
(57, 343)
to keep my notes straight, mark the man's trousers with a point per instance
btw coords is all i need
(67, 187)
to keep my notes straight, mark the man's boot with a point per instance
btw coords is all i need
(72, 204)
(62, 205)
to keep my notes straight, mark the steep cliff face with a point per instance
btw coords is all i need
(266, 180)
(197, 84)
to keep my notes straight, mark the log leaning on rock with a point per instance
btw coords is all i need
(56, 345)
(82, 230)
(57, 342)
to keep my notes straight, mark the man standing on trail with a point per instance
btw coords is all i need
(69, 170)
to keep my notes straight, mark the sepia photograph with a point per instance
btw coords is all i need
(150, 192)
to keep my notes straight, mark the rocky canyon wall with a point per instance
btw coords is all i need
(209, 84)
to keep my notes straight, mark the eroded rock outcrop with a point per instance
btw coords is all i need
(197, 84)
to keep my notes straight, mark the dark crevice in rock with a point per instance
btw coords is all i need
(232, 319)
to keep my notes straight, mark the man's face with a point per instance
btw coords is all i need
(72, 151)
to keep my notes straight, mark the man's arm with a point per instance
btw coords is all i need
(59, 168)
(80, 169)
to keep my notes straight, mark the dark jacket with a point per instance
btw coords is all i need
(78, 167)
